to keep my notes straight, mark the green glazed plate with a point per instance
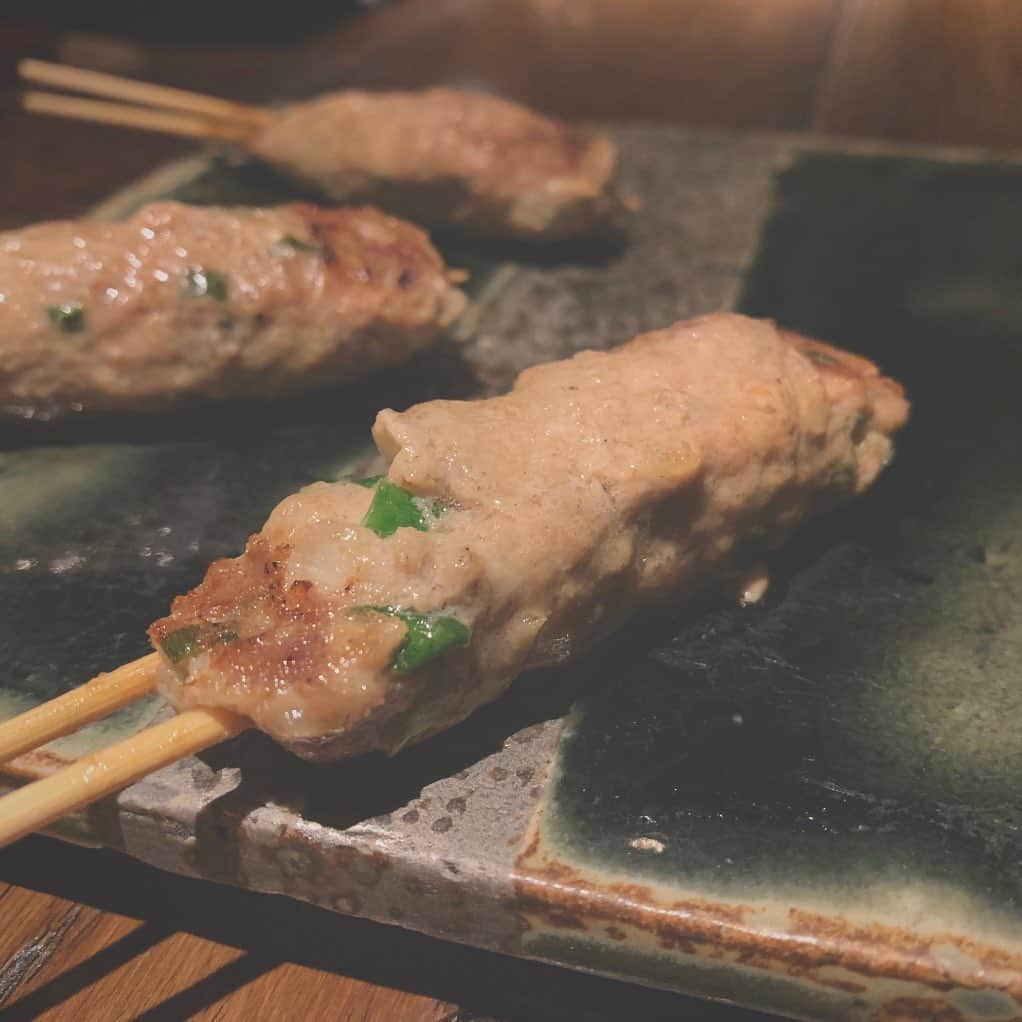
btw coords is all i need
(811, 807)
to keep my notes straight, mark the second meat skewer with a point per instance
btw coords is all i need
(182, 302)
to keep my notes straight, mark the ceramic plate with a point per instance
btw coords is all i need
(811, 807)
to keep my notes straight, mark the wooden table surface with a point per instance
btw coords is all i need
(91, 935)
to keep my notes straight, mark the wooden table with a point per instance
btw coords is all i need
(88, 934)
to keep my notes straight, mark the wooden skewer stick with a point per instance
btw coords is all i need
(102, 773)
(96, 83)
(164, 121)
(79, 707)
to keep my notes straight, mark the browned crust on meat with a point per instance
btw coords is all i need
(281, 627)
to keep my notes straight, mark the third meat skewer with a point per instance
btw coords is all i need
(443, 157)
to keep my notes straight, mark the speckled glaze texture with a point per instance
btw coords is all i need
(811, 806)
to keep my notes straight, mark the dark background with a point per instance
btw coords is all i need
(188, 20)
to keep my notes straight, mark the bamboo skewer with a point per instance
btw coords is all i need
(165, 121)
(102, 773)
(133, 104)
(97, 83)
(170, 111)
(108, 770)
(79, 707)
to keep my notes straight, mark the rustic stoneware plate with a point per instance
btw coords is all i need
(812, 807)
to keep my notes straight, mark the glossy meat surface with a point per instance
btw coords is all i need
(445, 157)
(539, 521)
(181, 302)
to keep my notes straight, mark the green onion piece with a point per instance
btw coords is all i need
(68, 319)
(427, 637)
(393, 508)
(289, 244)
(201, 283)
(182, 644)
(192, 639)
(369, 482)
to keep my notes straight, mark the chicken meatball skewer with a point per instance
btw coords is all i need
(447, 158)
(443, 157)
(516, 531)
(180, 303)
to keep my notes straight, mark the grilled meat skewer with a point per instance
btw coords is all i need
(441, 156)
(444, 157)
(516, 531)
(181, 302)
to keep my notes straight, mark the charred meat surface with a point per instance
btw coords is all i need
(516, 531)
(180, 302)
(442, 157)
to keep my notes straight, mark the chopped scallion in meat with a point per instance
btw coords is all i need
(182, 644)
(427, 637)
(289, 244)
(394, 508)
(201, 283)
(194, 639)
(69, 319)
